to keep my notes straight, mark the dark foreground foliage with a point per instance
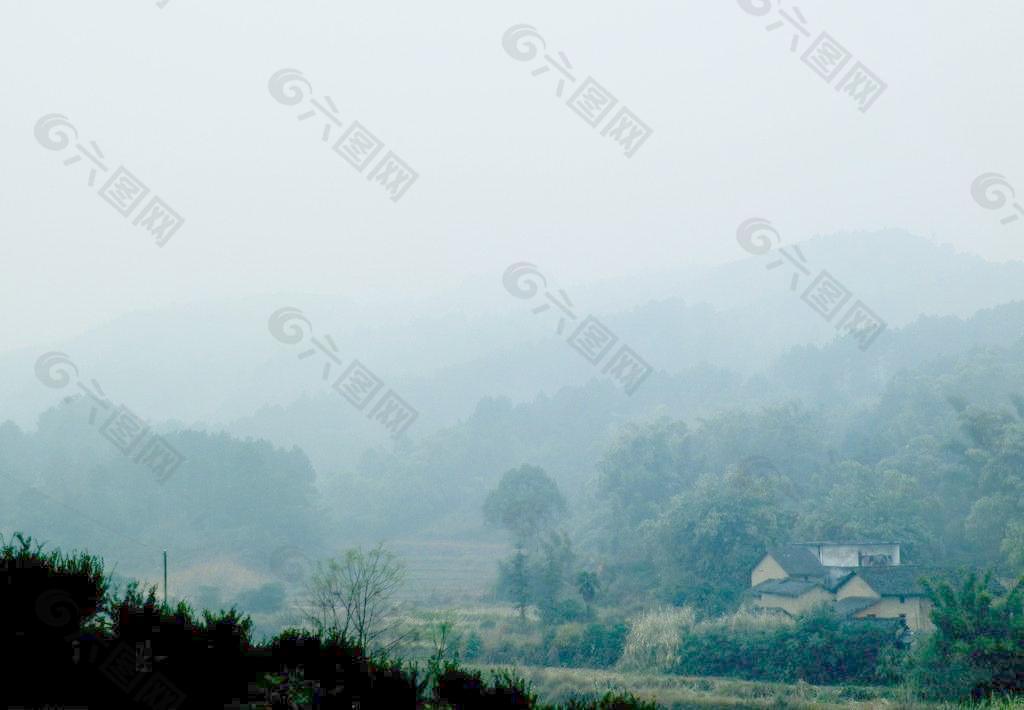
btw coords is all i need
(71, 641)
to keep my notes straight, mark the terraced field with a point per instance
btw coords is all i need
(445, 572)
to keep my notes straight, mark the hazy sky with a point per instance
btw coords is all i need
(507, 172)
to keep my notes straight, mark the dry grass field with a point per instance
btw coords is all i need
(558, 685)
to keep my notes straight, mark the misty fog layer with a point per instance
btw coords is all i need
(586, 333)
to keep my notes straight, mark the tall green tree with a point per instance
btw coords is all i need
(709, 538)
(871, 503)
(587, 585)
(995, 457)
(977, 648)
(520, 582)
(526, 502)
(552, 574)
(644, 467)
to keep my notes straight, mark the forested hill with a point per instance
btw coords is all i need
(228, 497)
(477, 340)
(815, 405)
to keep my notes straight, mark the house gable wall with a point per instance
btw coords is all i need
(795, 605)
(766, 569)
(913, 609)
(855, 587)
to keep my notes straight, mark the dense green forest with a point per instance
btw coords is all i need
(926, 450)
(611, 507)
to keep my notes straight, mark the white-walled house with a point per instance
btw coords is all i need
(855, 554)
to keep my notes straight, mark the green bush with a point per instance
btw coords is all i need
(474, 646)
(820, 648)
(564, 611)
(593, 645)
(977, 649)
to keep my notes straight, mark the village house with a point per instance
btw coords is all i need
(888, 593)
(861, 580)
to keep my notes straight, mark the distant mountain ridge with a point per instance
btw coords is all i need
(216, 365)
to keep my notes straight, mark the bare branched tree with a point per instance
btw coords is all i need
(354, 597)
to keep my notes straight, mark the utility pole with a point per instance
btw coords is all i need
(165, 578)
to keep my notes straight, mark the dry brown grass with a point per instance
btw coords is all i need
(558, 685)
(653, 641)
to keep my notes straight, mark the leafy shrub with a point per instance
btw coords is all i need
(564, 610)
(474, 646)
(977, 649)
(820, 648)
(594, 645)
(604, 643)
(564, 645)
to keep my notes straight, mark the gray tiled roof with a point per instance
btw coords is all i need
(851, 605)
(837, 577)
(798, 561)
(905, 580)
(847, 543)
(785, 587)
